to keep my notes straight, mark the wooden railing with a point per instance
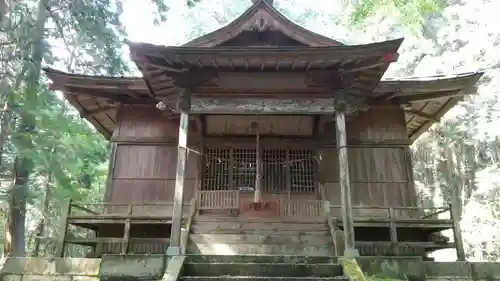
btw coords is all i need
(117, 213)
(219, 200)
(302, 208)
(187, 226)
(400, 212)
(145, 209)
(400, 216)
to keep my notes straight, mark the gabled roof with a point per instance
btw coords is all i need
(428, 98)
(262, 16)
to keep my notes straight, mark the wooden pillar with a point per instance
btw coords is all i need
(456, 201)
(109, 179)
(258, 182)
(345, 184)
(457, 232)
(61, 245)
(393, 232)
(175, 236)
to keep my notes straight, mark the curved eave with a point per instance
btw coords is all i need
(287, 26)
(96, 98)
(139, 50)
(428, 99)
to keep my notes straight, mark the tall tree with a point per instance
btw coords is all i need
(89, 37)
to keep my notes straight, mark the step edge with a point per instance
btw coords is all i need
(261, 263)
(265, 277)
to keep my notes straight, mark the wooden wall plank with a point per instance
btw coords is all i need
(150, 161)
(146, 171)
(297, 125)
(148, 190)
(379, 175)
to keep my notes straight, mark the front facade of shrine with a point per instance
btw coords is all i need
(261, 141)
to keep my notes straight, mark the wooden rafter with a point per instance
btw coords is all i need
(97, 111)
(429, 96)
(422, 115)
(81, 89)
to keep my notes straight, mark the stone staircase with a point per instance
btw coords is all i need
(264, 267)
(212, 235)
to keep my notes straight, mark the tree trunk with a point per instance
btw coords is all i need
(40, 230)
(23, 164)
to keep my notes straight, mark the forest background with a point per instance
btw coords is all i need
(48, 153)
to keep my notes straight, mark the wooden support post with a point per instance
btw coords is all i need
(457, 233)
(394, 233)
(126, 231)
(109, 179)
(258, 189)
(64, 220)
(345, 185)
(232, 185)
(288, 174)
(175, 236)
(456, 202)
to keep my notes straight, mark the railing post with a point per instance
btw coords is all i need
(457, 233)
(326, 208)
(393, 230)
(126, 231)
(64, 220)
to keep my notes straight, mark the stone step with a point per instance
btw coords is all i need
(200, 230)
(202, 227)
(262, 269)
(261, 259)
(214, 218)
(311, 240)
(260, 278)
(263, 249)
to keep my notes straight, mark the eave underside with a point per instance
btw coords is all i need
(358, 68)
(427, 99)
(262, 15)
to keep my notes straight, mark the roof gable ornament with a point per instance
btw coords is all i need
(269, 2)
(260, 17)
(261, 25)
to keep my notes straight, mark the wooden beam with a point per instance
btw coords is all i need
(61, 245)
(393, 231)
(444, 109)
(257, 198)
(421, 115)
(261, 106)
(429, 96)
(175, 240)
(345, 185)
(456, 201)
(97, 111)
(126, 232)
(111, 167)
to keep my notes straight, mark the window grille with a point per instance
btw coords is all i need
(216, 174)
(283, 170)
(244, 168)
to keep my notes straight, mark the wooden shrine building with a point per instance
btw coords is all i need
(263, 118)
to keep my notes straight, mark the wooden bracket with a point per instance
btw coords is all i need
(184, 100)
(192, 78)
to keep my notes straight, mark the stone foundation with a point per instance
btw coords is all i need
(84, 269)
(415, 269)
(154, 267)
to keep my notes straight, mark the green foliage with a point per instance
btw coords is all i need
(64, 145)
(411, 13)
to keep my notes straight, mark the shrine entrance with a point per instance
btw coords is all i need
(285, 177)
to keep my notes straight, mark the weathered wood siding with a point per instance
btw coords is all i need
(146, 155)
(278, 125)
(379, 173)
